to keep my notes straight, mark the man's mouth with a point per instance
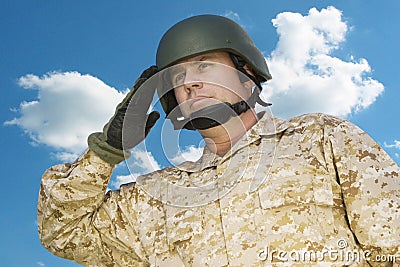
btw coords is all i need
(201, 102)
(198, 98)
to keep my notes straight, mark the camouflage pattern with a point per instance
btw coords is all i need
(328, 182)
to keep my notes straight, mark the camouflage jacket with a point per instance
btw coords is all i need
(312, 190)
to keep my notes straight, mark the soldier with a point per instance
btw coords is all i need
(310, 190)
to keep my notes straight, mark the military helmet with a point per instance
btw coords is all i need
(207, 33)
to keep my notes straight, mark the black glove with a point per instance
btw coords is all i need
(131, 119)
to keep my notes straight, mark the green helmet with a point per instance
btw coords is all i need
(206, 33)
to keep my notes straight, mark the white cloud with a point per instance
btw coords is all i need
(306, 77)
(141, 162)
(123, 179)
(396, 144)
(144, 161)
(232, 15)
(65, 156)
(39, 263)
(69, 106)
(190, 153)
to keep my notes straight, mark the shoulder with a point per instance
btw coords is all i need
(316, 120)
(324, 123)
(305, 125)
(319, 126)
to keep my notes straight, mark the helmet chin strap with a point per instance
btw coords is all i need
(217, 114)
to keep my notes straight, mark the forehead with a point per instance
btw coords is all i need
(217, 56)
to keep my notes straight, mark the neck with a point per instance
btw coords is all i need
(220, 139)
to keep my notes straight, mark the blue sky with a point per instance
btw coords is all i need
(65, 64)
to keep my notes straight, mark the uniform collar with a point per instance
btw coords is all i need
(267, 126)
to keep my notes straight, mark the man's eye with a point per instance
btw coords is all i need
(204, 65)
(179, 78)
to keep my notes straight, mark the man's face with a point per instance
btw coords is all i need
(205, 80)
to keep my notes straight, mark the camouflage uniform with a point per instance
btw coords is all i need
(309, 183)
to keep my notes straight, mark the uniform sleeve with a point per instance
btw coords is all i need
(370, 185)
(77, 221)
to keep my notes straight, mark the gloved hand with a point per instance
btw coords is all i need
(131, 119)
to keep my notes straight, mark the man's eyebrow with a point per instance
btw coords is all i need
(179, 67)
(207, 57)
(203, 58)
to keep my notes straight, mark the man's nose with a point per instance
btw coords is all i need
(192, 82)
